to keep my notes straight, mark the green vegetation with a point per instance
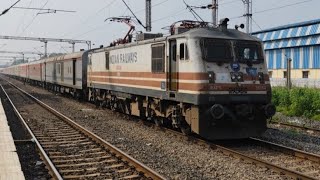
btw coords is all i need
(297, 101)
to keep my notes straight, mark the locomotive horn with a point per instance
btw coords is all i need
(223, 26)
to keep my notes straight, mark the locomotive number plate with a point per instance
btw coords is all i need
(238, 90)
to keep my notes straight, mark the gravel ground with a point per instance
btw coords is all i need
(171, 156)
(293, 138)
(301, 121)
(31, 164)
(48, 129)
(299, 139)
(269, 154)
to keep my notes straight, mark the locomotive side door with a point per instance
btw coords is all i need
(62, 71)
(74, 61)
(173, 66)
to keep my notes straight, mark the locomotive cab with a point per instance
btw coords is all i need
(229, 87)
(209, 81)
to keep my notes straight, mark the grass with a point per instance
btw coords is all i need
(300, 102)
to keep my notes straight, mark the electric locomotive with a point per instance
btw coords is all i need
(200, 79)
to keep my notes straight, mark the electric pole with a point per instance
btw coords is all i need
(289, 83)
(148, 15)
(248, 15)
(215, 12)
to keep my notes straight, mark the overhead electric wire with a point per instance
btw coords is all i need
(275, 8)
(195, 15)
(280, 7)
(76, 36)
(41, 9)
(171, 15)
(22, 19)
(6, 10)
(98, 27)
(256, 24)
(87, 19)
(229, 2)
(134, 14)
(157, 4)
(95, 28)
(33, 18)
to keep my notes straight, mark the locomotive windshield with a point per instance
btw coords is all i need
(247, 51)
(216, 50)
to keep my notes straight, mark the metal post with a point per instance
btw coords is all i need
(248, 15)
(89, 45)
(215, 12)
(73, 46)
(23, 57)
(45, 48)
(148, 15)
(289, 84)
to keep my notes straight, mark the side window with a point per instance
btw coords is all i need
(158, 58)
(182, 51)
(305, 74)
(174, 52)
(187, 52)
(89, 59)
(107, 60)
(58, 68)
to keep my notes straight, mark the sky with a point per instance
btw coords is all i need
(88, 22)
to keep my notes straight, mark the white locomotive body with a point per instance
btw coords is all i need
(213, 82)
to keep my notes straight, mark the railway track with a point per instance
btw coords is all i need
(69, 150)
(284, 160)
(292, 162)
(305, 128)
(289, 162)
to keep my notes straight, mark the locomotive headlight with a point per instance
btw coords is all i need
(211, 77)
(236, 76)
(239, 76)
(261, 77)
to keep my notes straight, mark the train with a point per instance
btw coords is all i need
(209, 81)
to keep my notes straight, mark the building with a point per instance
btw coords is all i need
(301, 43)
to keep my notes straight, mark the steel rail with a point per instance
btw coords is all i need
(49, 164)
(290, 151)
(251, 159)
(248, 158)
(148, 172)
(266, 164)
(296, 126)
